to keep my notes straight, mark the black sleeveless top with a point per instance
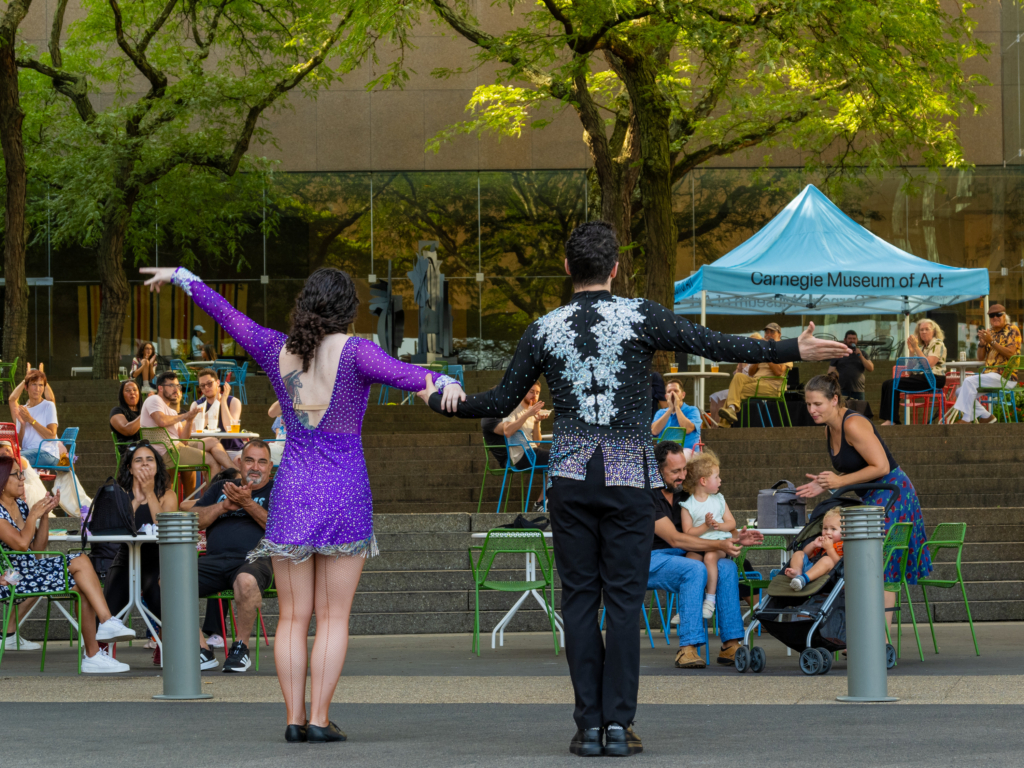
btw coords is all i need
(848, 460)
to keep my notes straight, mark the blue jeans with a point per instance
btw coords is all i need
(671, 570)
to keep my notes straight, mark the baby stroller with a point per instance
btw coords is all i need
(813, 620)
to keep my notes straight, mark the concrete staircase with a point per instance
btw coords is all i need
(426, 474)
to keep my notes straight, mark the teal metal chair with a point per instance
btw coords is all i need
(518, 440)
(526, 541)
(186, 379)
(946, 536)
(45, 464)
(497, 470)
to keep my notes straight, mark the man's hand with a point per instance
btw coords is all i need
(728, 546)
(819, 349)
(749, 538)
(239, 495)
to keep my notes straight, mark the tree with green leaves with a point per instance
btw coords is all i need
(161, 104)
(12, 116)
(662, 87)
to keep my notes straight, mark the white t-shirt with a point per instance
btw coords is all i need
(517, 451)
(156, 404)
(715, 504)
(45, 413)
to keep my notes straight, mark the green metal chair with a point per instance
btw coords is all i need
(946, 536)
(779, 400)
(512, 542)
(7, 373)
(754, 580)
(10, 609)
(897, 544)
(496, 470)
(1003, 396)
(160, 436)
(228, 596)
(117, 447)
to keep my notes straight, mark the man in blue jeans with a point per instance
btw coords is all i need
(672, 571)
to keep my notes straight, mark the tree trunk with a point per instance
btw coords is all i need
(15, 333)
(114, 298)
(652, 116)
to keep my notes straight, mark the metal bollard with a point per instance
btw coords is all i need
(863, 531)
(179, 600)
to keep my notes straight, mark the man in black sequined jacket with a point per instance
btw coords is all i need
(596, 353)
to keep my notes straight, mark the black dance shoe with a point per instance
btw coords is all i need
(295, 733)
(316, 734)
(621, 742)
(587, 743)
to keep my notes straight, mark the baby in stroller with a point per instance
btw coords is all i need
(709, 517)
(820, 556)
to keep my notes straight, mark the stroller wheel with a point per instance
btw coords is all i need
(826, 661)
(742, 659)
(811, 661)
(758, 660)
(890, 656)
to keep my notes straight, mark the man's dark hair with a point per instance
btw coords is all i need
(166, 377)
(592, 251)
(663, 449)
(850, 332)
(257, 444)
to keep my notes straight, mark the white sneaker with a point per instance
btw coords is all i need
(709, 609)
(102, 664)
(215, 641)
(674, 621)
(11, 644)
(113, 630)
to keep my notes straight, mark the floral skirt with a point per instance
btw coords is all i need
(906, 510)
(43, 575)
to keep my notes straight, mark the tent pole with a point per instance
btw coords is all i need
(906, 346)
(699, 389)
(985, 313)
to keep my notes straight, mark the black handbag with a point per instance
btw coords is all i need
(538, 523)
(111, 513)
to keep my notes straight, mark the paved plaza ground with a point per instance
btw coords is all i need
(425, 700)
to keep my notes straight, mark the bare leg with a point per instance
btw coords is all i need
(247, 602)
(336, 582)
(295, 590)
(819, 569)
(711, 563)
(890, 602)
(216, 457)
(88, 627)
(89, 587)
(796, 565)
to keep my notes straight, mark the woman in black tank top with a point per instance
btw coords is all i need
(142, 474)
(858, 455)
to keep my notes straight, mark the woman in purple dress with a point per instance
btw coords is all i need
(320, 521)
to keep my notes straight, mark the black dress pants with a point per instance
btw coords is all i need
(910, 383)
(602, 543)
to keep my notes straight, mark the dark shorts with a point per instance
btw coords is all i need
(218, 572)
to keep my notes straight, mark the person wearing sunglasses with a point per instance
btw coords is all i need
(996, 345)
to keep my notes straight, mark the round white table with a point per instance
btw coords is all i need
(965, 364)
(226, 435)
(531, 575)
(134, 576)
(699, 377)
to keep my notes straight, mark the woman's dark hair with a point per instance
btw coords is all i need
(826, 383)
(228, 474)
(209, 352)
(124, 403)
(327, 304)
(142, 349)
(592, 251)
(124, 469)
(6, 467)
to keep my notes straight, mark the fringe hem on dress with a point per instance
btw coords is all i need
(299, 553)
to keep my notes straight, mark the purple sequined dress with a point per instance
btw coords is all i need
(321, 502)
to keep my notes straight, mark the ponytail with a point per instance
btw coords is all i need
(827, 384)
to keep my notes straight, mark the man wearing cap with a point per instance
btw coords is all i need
(996, 345)
(197, 342)
(850, 369)
(743, 386)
